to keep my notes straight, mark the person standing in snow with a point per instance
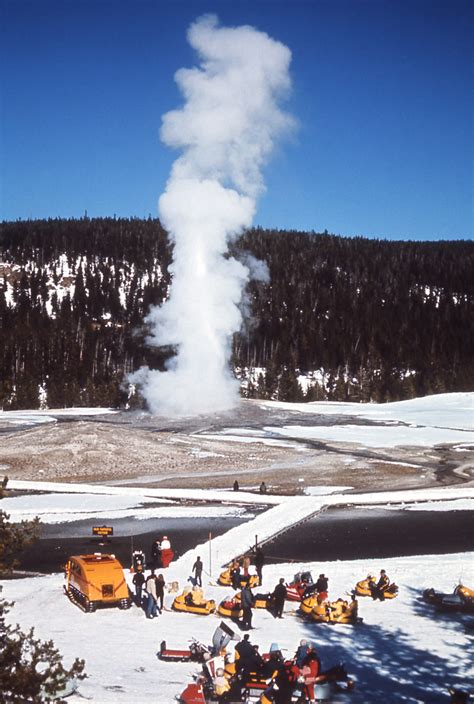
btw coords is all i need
(150, 586)
(138, 581)
(156, 554)
(248, 659)
(235, 575)
(197, 571)
(311, 672)
(247, 601)
(278, 598)
(160, 591)
(259, 562)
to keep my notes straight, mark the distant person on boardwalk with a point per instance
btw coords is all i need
(247, 601)
(263, 488)
(150, 586)
(377, 590)
(236, 485)
(160, 591)
(197, 570)
(259, 562)
(322, 587)
(138, 581)
(278, 598)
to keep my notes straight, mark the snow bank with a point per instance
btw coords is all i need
(370, 436)
(454, 410)
(65, 508)
(49, 415)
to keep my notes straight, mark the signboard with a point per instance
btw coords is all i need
(102, 531)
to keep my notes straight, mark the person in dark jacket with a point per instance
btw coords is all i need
(247, 601)
(278, 598)
(138, 581)
(248, 660)
(197, 571)
(322, 587)
(377, 590)
(259, 562)
(235, 575)
(156, 554)
(160, 592)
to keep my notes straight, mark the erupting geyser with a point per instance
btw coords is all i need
(226, 129)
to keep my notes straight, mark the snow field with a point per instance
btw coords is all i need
(402, 652)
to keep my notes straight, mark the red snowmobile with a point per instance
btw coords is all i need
(302, 584)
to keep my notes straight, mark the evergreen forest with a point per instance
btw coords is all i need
(338, 318)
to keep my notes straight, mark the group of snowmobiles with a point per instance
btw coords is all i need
(301, 589)
(272, 680)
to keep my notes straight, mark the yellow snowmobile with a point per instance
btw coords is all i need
(192, 601)
(230, 607)
(225, 579)
(362, 588)
(462, 599)
(308, 604)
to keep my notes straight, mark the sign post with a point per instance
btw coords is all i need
(102, 531)
(210, 555)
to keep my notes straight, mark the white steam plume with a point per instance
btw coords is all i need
(226, 129)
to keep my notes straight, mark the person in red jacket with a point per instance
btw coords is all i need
(311, 671)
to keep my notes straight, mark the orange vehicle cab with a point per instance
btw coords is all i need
(96, 580)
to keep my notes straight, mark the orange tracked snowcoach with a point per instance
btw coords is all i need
(96, 580)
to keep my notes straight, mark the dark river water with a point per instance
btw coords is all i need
(336, 534)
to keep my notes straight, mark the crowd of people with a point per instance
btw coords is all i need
(150, 590)
(280, 677)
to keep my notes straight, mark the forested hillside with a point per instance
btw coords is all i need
(339, 318)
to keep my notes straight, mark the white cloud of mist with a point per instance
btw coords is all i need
(227, 129)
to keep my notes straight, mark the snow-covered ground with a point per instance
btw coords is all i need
(391, 436)
(420, 422)
(454, 410)
(402, 652)
(49, 416)
(442, 418)
(63, 508)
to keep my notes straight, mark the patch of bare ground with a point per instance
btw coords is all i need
(136, 450)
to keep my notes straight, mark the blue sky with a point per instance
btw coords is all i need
(382, 92)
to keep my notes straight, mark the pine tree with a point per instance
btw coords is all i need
(14, 538)
(31, 670)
